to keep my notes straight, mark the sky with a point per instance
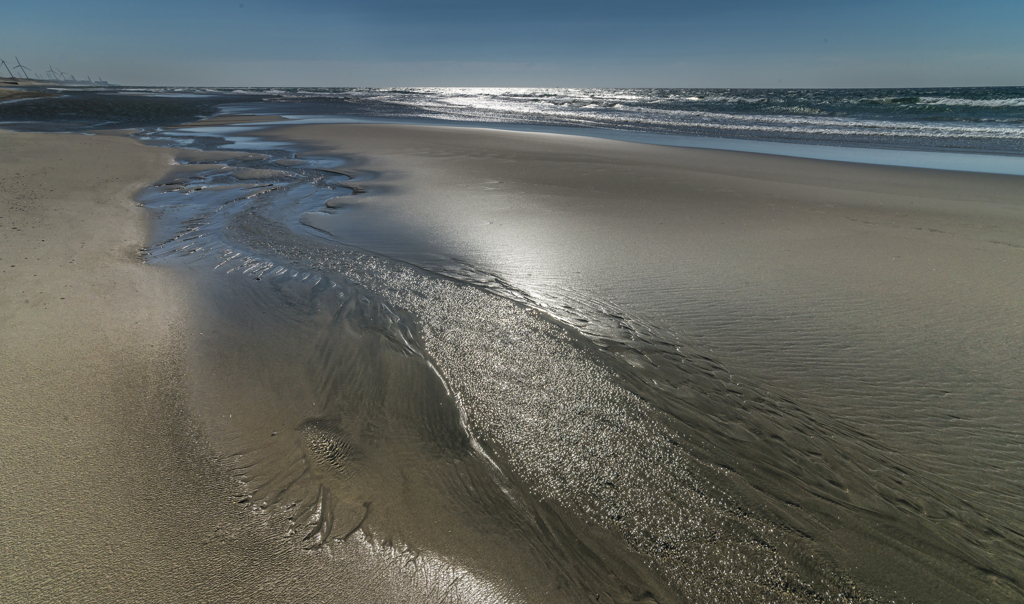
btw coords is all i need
(601, 43)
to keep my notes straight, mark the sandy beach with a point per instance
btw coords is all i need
(799, 333)
(512, 303)
(111, 492)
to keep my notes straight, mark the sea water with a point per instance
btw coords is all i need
(981, 120)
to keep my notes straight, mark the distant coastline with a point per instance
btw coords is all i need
(15, 94)
(34, 82)
(16, 89)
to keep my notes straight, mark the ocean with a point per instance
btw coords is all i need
(984, 120)
(978, 120)
(453, 351)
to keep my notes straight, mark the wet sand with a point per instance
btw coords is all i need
(883, 301)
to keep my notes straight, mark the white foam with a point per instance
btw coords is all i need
(1012, 102)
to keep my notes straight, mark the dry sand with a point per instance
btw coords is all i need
(106, 496)
(108, 492)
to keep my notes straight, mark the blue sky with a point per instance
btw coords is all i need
(730, 43)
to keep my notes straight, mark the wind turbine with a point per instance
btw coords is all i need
(20, 66)
(4, 63)
(51, 73)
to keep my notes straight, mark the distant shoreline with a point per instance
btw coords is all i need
(13, 89)
(12, 94)
(34, 82)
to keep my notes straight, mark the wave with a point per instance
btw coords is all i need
(954, 102)
(934, 101)
(807, 121)
(983, 119)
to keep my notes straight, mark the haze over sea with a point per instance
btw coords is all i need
(439, 331)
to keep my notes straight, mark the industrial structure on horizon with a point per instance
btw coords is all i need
(55, 76)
